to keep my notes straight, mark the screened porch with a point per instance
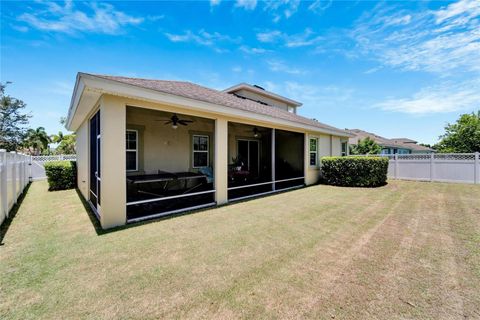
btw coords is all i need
(263, 160)
(169, 162)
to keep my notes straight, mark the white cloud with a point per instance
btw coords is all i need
(237, 69)
(441, 41)
(319, 6)
(203, 38)
(246, 4)
(270, 86)
(66, 18)
(468, 8)
(373, 70)
(214, 3)
(281, 8)
(269, 36)
(251, 50)
(280, 66)
(447, 97)
(306, 38)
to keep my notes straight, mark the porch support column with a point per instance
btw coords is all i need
(306, 158)
(112, 162)
(221, 160)
(273, 159)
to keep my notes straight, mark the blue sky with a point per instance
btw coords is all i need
(399, 69)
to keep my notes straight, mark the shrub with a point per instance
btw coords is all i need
(355, 171)
(61, 175)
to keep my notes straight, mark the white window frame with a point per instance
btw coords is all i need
(310, 152)
(344, 153)
(202, 151)
(133, 150)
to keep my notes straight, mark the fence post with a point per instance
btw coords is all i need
(432, 166)
(476, 178)
(61, 157)
(25, 170)
(395, 171)
(20, 172)
(30, 160)
(3, 182)
(14, 176)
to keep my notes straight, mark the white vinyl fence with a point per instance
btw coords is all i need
(71, 157)
(442, 167)
(14, 177)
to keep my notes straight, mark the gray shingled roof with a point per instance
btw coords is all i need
(396, 143)
(197, 92)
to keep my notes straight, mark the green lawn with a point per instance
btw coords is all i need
(406, 250)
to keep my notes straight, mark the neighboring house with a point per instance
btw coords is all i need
(389, 146)
(147, 148)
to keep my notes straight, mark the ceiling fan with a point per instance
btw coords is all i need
(256, 132)
(174, 120)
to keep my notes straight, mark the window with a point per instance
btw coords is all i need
(200, 151)
(291, 109)
(132, 150)
(344, 149)
(313, 151)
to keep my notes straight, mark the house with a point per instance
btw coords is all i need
(148, 148)
(389, 146)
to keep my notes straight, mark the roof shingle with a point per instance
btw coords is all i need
(197, 92)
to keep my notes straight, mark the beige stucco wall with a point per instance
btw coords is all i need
(336, 146)
(163, 148)
(82, 158)
(113, 162)
(328, 145)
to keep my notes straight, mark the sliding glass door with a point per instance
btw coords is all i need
(249, 155)
(95, 162)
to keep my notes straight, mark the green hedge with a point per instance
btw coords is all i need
(61, 175)
(355, 171)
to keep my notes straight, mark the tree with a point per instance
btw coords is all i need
(37, 140)
(57, 138)
(66, 145)
(12, 121)
(462, 136)
(365, 146)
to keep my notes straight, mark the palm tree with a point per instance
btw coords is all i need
(57, 138)
(37, 139)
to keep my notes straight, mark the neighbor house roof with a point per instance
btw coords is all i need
(403, 140)
(404, 143)
(197, 92)
(361, 134)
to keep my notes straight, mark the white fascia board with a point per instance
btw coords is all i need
(77, 94)
(117, 88)
(269, 94)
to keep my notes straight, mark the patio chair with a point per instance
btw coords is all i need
(208, 172)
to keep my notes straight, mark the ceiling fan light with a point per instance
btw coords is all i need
(174, 126)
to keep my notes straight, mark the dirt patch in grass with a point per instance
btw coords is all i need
(405, 250)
